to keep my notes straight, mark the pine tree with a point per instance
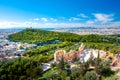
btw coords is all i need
(97, 66)
(91, 62)
(61, 64)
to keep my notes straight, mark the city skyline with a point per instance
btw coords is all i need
(59, 13)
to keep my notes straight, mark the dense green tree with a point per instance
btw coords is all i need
(20, 69)
(98, 67)
(105, 69)
(90, 75)
(54, 76)
(61, 64)
(75, 72)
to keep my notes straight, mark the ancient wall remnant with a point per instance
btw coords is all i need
(70, 56)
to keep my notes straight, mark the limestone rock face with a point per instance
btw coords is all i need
(70, 56)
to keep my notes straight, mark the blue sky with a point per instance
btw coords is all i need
(59, 13)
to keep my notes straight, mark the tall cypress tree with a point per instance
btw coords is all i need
(97, 66)
(61, 64)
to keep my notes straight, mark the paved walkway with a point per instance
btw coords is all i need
(46, 66)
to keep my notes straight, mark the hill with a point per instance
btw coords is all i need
(30, 65)
(38, 36)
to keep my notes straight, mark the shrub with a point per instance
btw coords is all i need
(90, 75)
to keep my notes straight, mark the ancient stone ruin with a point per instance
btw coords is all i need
(116, 60)
(70, 56)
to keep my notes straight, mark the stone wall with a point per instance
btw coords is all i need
(70, 56)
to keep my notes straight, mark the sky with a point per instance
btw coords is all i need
(59, 13)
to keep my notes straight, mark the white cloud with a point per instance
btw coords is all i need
(12, 24)
(82, 15)
(104, 18)
(115, 24)
(56, 25)
(6, 24)
(44, 19)
(90, 22)
(53, 19)
(74, 19)
(36, 19)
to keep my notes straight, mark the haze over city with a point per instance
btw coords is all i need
(59, 13)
